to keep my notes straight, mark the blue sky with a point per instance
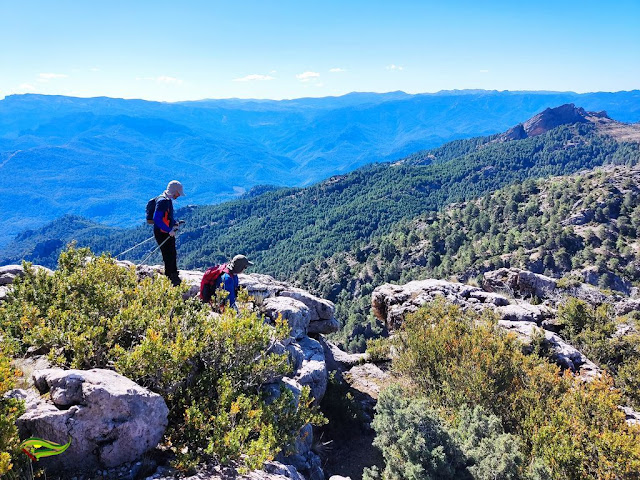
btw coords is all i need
(169, 50)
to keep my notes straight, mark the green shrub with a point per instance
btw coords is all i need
(491, 453)
(414, 441)
(92, 313)
(10, 410)
(567, 428)
(379, 349)
(460, 358)
(417, 443)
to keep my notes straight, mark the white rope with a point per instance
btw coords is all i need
(135, 246)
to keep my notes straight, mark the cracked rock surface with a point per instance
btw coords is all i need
(110, 419)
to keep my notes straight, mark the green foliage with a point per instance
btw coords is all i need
(10, 410)
(379, 349)
(414, 441)
(458, 362)
(491, 453)
(567, 429)
(210, 368)
(417, 443)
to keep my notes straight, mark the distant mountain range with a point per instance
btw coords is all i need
(102, 158)
(286, 228)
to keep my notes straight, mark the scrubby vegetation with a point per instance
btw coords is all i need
(492, 411)
(10, 410)
(92, 313)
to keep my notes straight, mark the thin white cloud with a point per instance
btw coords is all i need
(306, 76)
(94, 69)
(26, 87)
(337, 70)
(169, 80)
(45, 77)
(484, 71)
(161, 79)
(254, 77)
(394, 67)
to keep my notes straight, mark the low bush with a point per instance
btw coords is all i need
(567, 429)
(416, 442)
(10, 410)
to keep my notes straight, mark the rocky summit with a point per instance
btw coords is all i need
(113, 421)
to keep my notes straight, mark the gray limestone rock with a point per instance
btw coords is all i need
(8, 273)
(524, 312)
(367, 378)
(110, 419)
(337, 360)
(313, 371)
(293, 311)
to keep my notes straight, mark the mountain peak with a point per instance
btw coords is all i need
(551, 118)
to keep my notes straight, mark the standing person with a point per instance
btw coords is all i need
(165, 228)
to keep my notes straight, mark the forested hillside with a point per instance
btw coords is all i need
(284, 229)
(583, 227)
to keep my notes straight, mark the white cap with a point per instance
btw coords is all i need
(175, 187)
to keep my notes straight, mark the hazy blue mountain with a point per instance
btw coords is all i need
(283, 229)
(102, 158)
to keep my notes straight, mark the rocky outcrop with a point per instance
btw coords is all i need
(110, 419)
(338, 360)
(305, 313)
(313, 371)
(554, 117)
(551, 118)
(391, 303)
(562, 353)
(527, 285)
(506, 292)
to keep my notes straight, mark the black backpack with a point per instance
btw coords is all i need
(151, 210)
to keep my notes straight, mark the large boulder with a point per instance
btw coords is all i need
(110, 419)
(391, 303)
(294, 312)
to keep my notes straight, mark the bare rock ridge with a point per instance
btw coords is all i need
(551, 118)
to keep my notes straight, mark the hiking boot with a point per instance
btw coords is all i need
(175, 279)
